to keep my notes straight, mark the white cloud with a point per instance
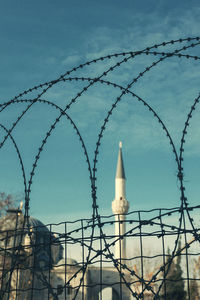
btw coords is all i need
(71, 59)
(160, 87)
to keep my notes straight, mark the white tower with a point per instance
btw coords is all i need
(120, 207)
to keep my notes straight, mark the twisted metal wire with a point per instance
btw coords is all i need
(104, 253)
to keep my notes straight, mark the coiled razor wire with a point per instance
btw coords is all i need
(29, 267)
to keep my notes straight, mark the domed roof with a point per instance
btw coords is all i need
(69, 262)
(37, 225)
(13, 221)
(46, 251)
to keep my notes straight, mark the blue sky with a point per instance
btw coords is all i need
(41, 40)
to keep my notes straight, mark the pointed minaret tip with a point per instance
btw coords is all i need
(120, 165)
(21, 205)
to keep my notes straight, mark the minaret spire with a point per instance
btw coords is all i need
(120, 165)
(120, 207)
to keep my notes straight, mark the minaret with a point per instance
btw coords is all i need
(120, 207)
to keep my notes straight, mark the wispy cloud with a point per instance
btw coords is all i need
(71, 60)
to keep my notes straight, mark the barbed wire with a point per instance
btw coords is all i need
(40, 278)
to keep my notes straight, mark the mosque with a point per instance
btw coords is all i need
(45, 274)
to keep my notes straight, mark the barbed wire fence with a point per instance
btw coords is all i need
(31, 254)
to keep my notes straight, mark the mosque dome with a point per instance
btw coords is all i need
(35, 240)
(69, 262)
(38, 225)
